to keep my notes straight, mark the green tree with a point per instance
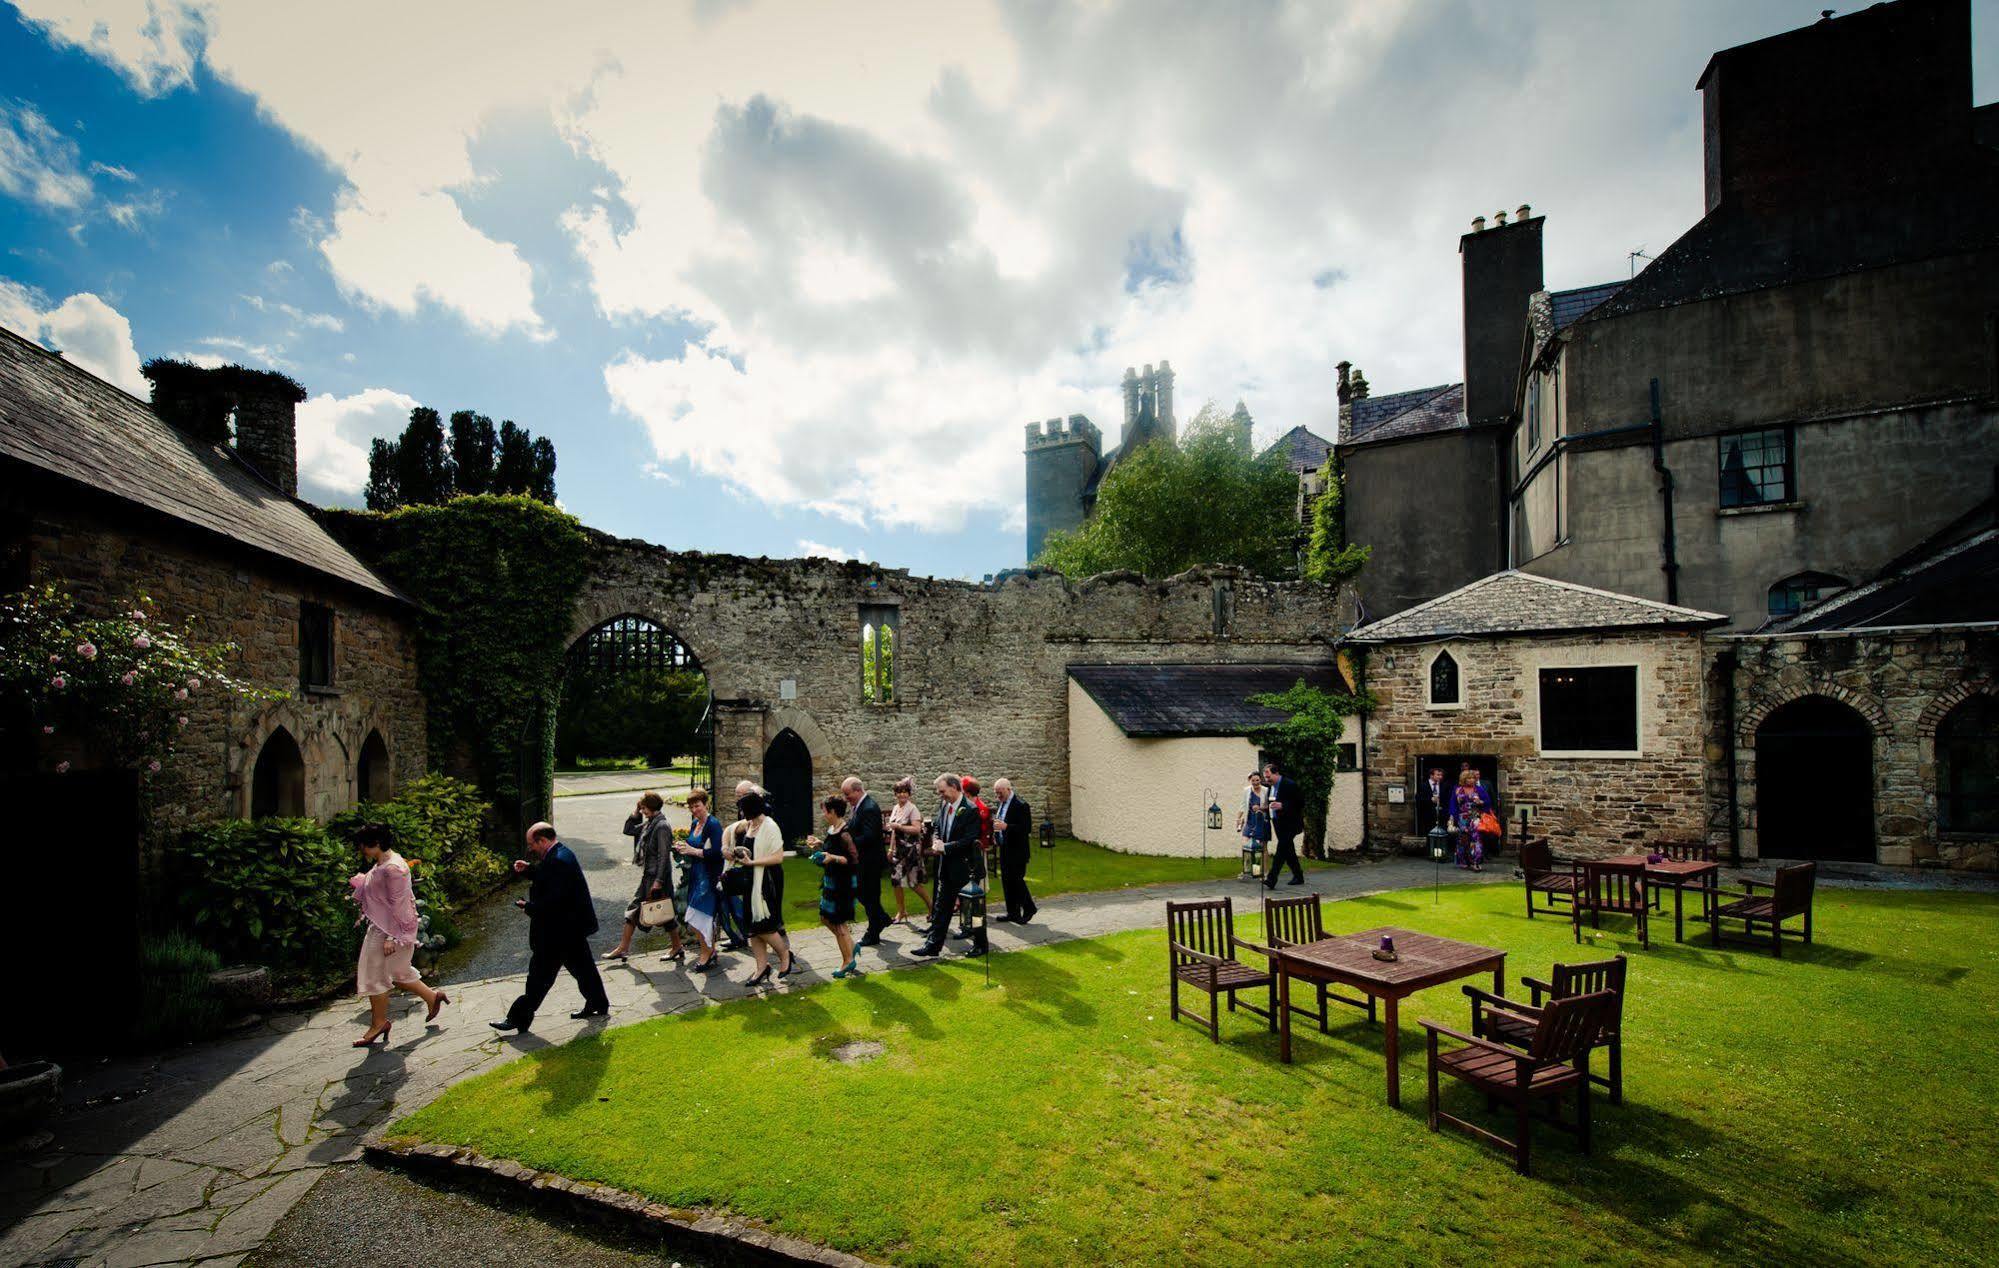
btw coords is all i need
(473, 442)
(1164, 509)
(422, 468)
(1305, 745)
(1329, 556)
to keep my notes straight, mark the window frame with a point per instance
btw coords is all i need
(1430, 700)
(1949, 773)
(1828, 585)
(877, 620)
(1636, 671)
(1789, 493)
(318, 622)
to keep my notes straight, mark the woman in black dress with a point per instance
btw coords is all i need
(758, 845)
(841, 860)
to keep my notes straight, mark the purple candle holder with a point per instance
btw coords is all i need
(1655, 857)
(1388, 944)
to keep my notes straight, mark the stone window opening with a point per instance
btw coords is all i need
(1968, 767)
(881, 630)
(1793, 595)
(1445, 691)
(372, 779)
(1589, 709)
(277, 782)
(1757, 468)
(315, 646)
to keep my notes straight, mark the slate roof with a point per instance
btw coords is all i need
(1305, 449)
(1958, 585)
(1159, 701)
(61, 419)
(1403, 414)
(1573, 305)
(1514, 602)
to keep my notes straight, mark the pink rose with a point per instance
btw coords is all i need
(62, 768)
(181, 720)
(154, 766)
(58, 682)
(141, 642)
(138, 615)
(181, 694)
(48, 730)
(127, 679)
(193, 684)
(87, 650)
(54, 659)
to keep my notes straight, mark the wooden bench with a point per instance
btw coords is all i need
(1612, 886)
(1513, 1023)
(1790, 896)
(1555, 1064)
(1294, 922)
(1537, 860)
(1201, 947)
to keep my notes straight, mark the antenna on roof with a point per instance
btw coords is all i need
(1635, 255)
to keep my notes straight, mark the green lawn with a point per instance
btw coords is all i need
(1835, 1107)
(1079, 868)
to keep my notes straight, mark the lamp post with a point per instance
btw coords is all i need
(1048, 844)
(1211, 820)
(1439, 841)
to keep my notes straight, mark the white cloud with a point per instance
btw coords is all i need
(83, 328)
(811, 549)
(333, 436)
(154, 44)
(38, 164)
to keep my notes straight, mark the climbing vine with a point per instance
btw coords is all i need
(496, 580)
(1306, 744)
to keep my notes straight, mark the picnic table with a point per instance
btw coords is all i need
(1422, 961)
(1680, 875)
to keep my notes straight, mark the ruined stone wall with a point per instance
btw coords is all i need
(1903, 684)
(106, 558)
(981, 670)
(1594, 806)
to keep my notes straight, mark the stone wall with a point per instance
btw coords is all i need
(1588, 805)
(106, 556)
(981, 670)
(1902, 683)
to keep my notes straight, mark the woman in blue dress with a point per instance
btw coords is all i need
(703, 851)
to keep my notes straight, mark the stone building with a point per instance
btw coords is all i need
(1151, 747)
(1584, 710)
(105, 497)
(980, 677)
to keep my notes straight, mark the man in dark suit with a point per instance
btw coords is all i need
(561, 919)
(1287, 814)
(1434, 802)
(1013, 828)
(863, 826)
(956, 843)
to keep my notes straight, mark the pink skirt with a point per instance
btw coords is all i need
(381, 968)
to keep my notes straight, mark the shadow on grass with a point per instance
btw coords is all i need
(568, 1075)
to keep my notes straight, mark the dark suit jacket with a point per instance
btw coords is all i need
(864, 829)
(961, 843)
(559, 906)
(1016, 832)
(1291, 812)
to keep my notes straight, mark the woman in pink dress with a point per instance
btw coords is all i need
(388, 908)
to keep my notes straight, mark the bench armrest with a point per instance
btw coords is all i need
(1266, 952)
(1200, 957)
(1438, 1028)
(1479, 995)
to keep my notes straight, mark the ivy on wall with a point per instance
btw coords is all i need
(1305, 745)
(496, 580)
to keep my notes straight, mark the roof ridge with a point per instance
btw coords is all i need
(1610, 594)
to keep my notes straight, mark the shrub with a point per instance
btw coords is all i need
(271, 892)
(176, 1001)
(438, 826)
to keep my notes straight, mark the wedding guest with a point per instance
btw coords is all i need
(863, 826)
(703, 852)
(981, 861)
(1468, 807)
(757, 845)
(653, 847)
(388, 907)
(1013, 832)
(905, 829)
(1287, 820)
(1252, 820)
(840, 861)
(955, 844)
(561, 919)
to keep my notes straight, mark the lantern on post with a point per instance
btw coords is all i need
(972, 914)
(1439, 845)
(1048, 844)
(1211, 820)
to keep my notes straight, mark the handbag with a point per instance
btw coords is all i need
(1488, 823)
(655, 912)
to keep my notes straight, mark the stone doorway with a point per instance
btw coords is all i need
(1815, 783)
(788, 780)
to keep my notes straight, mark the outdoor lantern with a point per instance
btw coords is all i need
(1215, 815)
(1047, 835)
(1439, 843)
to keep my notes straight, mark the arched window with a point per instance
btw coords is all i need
(372, 780)
(1793, 595)
(1968, 767)
(1444, 680)
(277, 783)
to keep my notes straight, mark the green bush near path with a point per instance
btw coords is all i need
(1834, 1107)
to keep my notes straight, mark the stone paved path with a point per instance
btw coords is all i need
(193, 1155)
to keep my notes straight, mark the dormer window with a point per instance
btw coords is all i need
(1793, 595)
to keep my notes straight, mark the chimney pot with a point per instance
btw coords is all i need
(1521, 213)
(1478, 224)
(1499, 219)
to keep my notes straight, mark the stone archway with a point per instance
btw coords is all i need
(787, 777)
(1815, 782)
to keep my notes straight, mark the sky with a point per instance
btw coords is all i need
(789, 278)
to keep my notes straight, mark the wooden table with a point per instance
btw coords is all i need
(1680, 875)
(1423, 961)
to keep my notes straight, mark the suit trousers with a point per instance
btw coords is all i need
(1286, 856)
(544, 962)
(1020, 905)
(870, 894)
(946, 903)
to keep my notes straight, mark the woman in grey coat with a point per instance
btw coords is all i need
(652, 850)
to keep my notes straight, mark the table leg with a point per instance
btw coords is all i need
(1499, 979)
(1679, 931)
(1283, 1014)
(1394, 1053)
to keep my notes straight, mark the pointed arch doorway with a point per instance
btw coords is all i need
(788, 780)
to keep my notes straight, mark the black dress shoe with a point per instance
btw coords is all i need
(871, 940)
(504, 1025)
(1296, 880)
(591, 1012)
(926, 951)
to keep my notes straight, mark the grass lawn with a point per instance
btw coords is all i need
(1079, 868)
(1835, 1107)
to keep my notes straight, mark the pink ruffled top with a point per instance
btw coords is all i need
(387, 899)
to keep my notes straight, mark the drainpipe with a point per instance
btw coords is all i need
(1667, 545)
(1726, 662)
(1366, 767)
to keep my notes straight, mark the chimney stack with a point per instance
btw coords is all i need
(200, 402)
(1502, 268)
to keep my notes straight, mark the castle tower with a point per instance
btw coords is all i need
(1062, 461)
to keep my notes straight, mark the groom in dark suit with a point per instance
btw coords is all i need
(1288, 820)
(1013, 836)
(863, 826)
(957, 841)
(561, 919)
